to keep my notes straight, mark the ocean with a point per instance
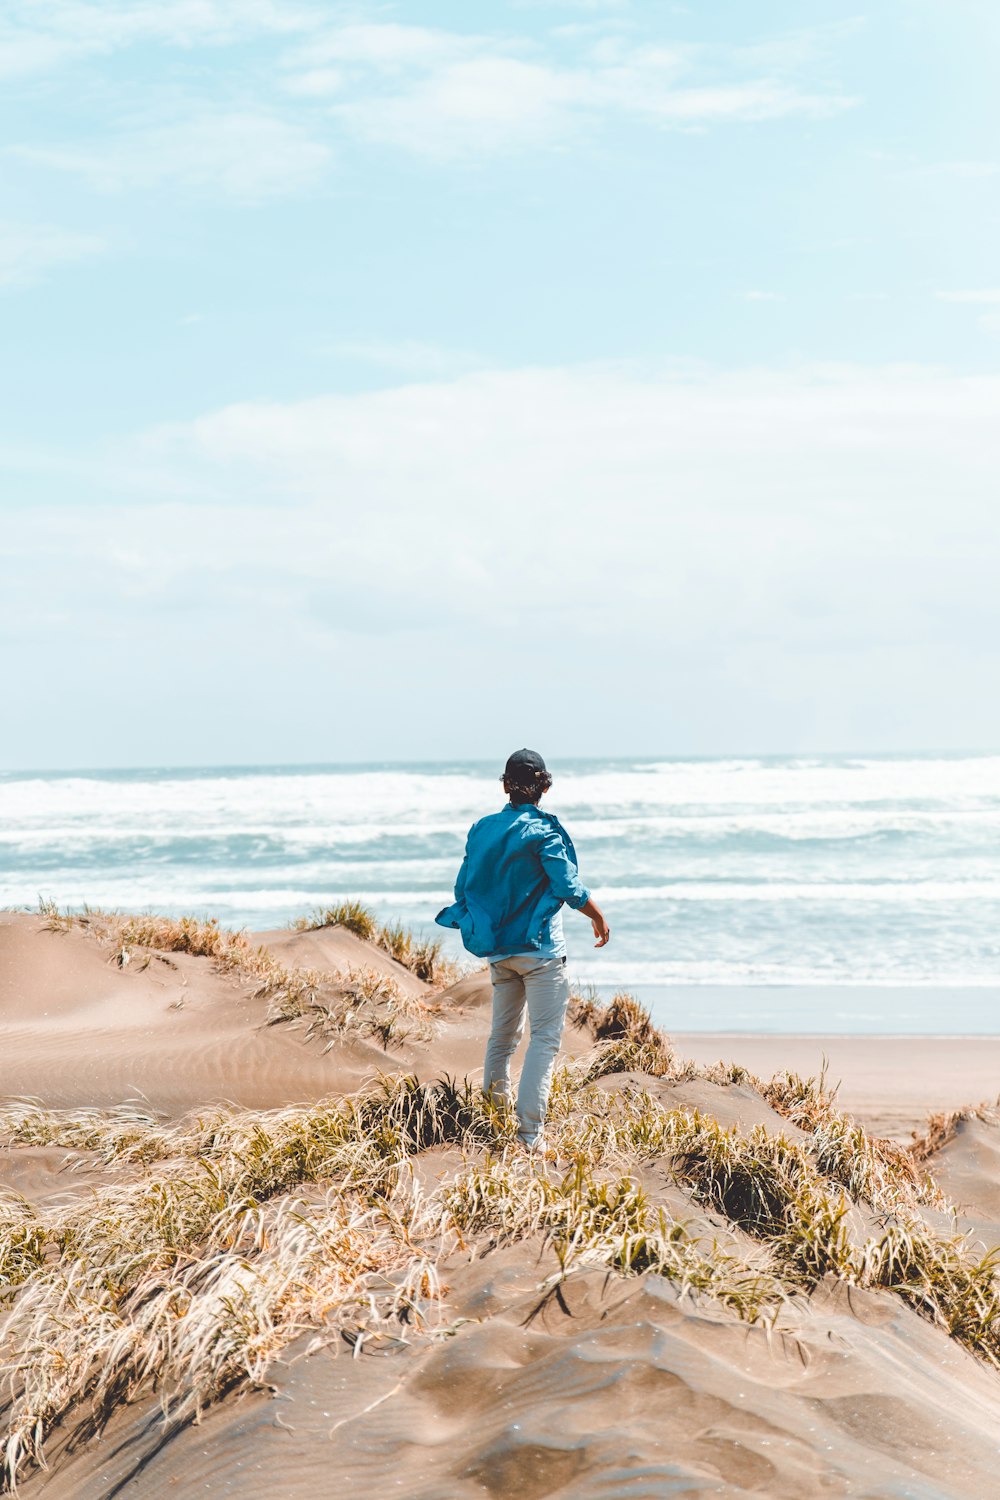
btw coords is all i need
(810, 893)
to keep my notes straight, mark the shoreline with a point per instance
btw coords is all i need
(931, 1011)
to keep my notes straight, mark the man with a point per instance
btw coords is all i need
(518, 872)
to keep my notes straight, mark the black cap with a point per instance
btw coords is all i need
(524, 767)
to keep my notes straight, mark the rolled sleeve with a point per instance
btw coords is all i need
(564, 878)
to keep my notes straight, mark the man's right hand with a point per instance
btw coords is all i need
(602, 931)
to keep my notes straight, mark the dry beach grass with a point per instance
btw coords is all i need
(209, 1248)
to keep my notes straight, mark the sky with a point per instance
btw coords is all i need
(407, 382)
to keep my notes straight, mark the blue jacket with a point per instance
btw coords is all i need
(519, 869)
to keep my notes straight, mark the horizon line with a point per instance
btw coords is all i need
(408, 763)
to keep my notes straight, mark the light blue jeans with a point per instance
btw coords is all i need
(537, 987)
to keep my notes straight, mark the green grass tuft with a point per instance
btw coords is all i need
(422, 958)
(352, 915)
(626, 1037)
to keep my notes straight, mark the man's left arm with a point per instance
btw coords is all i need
(564, 878)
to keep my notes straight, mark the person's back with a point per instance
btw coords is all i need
(519, 870)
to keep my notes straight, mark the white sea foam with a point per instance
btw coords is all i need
(815, 869)
(735, 975)
(158, 893)
(831, 891)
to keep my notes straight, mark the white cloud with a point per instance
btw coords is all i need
(590, 5)
(27, 251)
(485, 103)
(315, 83)
(387, 47)
(768, 557)
(408, 356)
(39, 35)
(973, 169)
(698, 84)
(790, 51)
(968, 169)
(248, 156)
(759, 296)
(987, 297)
(445, 94)
(761, 99)
(829, 500)
(429, 91)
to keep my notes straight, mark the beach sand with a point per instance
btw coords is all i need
(515, 1383)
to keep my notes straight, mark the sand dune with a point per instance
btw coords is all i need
(518, 1383)
(337, 949)
(77, 1029)
(614, 1388)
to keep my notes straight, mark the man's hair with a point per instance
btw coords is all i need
(522, 791)
(525, 776)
